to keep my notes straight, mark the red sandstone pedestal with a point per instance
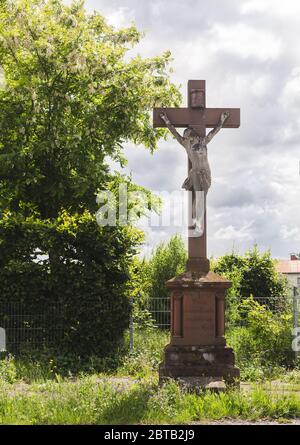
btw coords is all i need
(197, 354)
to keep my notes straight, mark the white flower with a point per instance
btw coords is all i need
(91, 88)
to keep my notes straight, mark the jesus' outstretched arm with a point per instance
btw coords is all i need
(224, 116)
(172, 128)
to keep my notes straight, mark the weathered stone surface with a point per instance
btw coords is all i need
(197, 352)
(197, 118)
(216, 386)
(196, 279)
(197, 308)
(187, 363)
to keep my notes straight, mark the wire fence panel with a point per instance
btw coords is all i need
(30, 326)
(35, 326)
(160, 309)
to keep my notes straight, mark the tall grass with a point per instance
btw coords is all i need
(142, 361)
(91, 402)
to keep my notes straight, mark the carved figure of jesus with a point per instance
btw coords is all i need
(199, 177)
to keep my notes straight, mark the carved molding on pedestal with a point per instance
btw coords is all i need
(177, 314)
(220, 314)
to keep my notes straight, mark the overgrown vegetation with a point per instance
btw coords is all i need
(252, 274)
(262, 341)
(42, 390)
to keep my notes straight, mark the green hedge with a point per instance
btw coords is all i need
(71, 271)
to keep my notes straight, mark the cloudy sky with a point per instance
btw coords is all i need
(248, 52)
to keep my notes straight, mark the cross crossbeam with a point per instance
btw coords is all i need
(183, 117)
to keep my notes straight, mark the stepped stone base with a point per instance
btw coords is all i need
(200, 367)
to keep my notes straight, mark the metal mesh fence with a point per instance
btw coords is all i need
(29, 326)
(33, 327)
(161, 312)
(160, 309)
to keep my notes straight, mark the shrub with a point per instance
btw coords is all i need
(253, 274)
(263, 338)
(8, 371)
(147, 353)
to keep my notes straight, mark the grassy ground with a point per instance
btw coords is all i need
(94, 400)
(126, 391)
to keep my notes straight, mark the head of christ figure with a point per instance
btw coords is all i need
(190, 133)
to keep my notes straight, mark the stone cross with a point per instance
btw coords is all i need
(197, 116)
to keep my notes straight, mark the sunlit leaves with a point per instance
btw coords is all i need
(73, 97)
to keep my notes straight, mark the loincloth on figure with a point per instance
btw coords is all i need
(197, 180)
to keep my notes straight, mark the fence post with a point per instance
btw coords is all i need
(295, 313)
(131, 326)
(2, 340)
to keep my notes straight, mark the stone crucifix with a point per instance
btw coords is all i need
(196, 118)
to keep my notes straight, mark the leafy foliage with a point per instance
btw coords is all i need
(262, 337)
(253, 274)
(257, 275)
(167, 261)
(147, 353)
(87, 282)
(138, 289)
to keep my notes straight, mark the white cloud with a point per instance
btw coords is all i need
(292, 233)
(120, 17)
(291, 92)
(288, 9)
(245, 41)
(232, 233)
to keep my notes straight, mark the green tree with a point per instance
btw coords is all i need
(253, 274)
(72, 97)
